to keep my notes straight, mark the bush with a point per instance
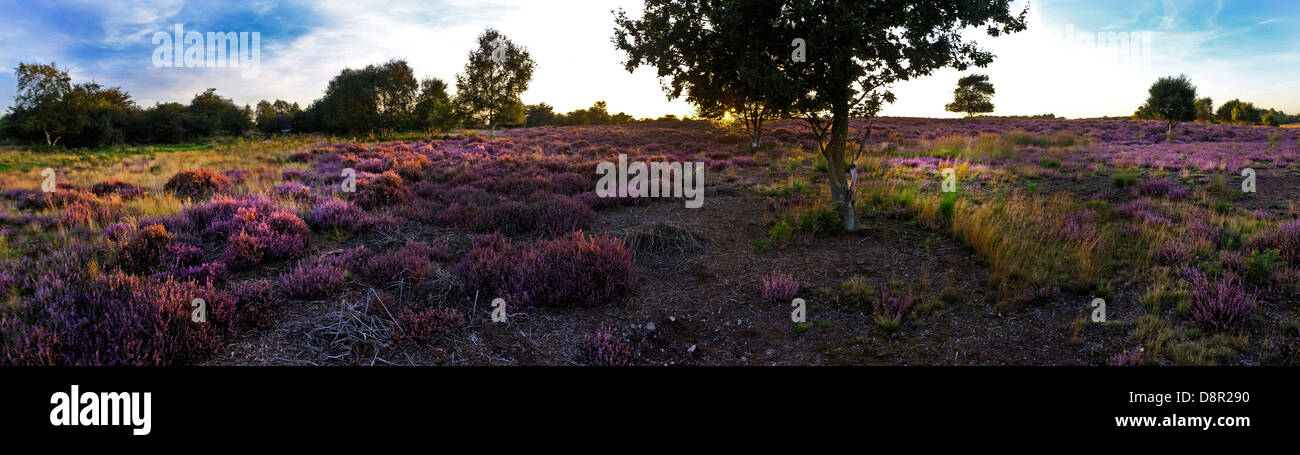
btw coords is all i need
(144, 248)
(243, 251)
(381, 190)
(196, 183)
(577, 270)
(602, 349)
(117, 319)
(820, 221)
(255, 303)
(779, 287)
(335, 213)
(1285, 238)
(411, 263)
(563, 215)
(891, 308)
(423, 326)
(121, 188)
(1221, 305)
(312, 279)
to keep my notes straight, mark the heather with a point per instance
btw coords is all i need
(1037, 226)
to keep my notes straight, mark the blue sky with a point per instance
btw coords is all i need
(1071, 61)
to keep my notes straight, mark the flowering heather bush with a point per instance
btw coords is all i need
(1142, 210)
(121, 188)
(292, 191)
(422, 327)
(779, 287)
(563, 215)
(1077, 225)
(381, 190)
(1285, 238)
(570, 183)
(1161, 188)
(210, 272)
(1174, 252)
(287, 235)
(510, 217)
(145, 248)
(196, 183)
(1221, 305)
(411, 263)
(891, 308)
(312, 279)
(255, 303)
(117, 319)
(335, 213)
(237, 176)
(86, 214)
(602, 349)
(571, 271)
(243, 251)
(1127, 357)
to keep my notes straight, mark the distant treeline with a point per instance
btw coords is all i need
(1234, 112)
(379, 99)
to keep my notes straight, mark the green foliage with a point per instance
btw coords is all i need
(947, 203)
(855, 50)
(820, 221)
(1261, 266)
(1205, 110)
(434, 109)
(276, 117)
(488, 89)
(374, 98)
(973, 95)
(1171, 99)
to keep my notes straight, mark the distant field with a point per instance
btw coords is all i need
(1291, 125)
(1046, 216)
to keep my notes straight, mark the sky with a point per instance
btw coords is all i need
(1078, 58)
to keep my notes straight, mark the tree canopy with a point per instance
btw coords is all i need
(973, 95)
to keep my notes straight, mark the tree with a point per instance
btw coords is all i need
(855, 50)
(540, 114)
(1205, 110)
(377, 97)
(434, 110)
(276, 117)
(972, 95)
(1246, 114)
(41, 102)
(1224, 113)
(1270, 118)
(727, 69)
(1172, 99)
(497, 72)
(210, 114)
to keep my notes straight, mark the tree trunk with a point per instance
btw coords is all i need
(1169, 132)
(838, 171)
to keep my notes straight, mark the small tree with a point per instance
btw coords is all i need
(497, 72)
(973, 95)
(854, 52)
(434, 109)
(41, 102)
(1246, 114)
(1205, 110)
(1172, 99)
(1270, 119)
(1224, 113)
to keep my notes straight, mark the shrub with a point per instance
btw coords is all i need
(287, 237)
(820, 221)
(602, 349)
(423, 326)
(381, 190)
(1127, 357)
(196, 183)
(891, 308)
(563, 215)
(119, 187)
(511, 217)
(292, 191)
(1221, 305)
(411, 263)
(243, 251)
(779, 287)
(117, 319)
(312, 279)
(145, 248)
(255, 303)
(335, 213)
(577, 270)
(1285, 238)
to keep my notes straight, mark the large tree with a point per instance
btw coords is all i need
(497, 72)
(973, 95)
(42, 102)
(728, 71)
(855, 50)
(1171, 99)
